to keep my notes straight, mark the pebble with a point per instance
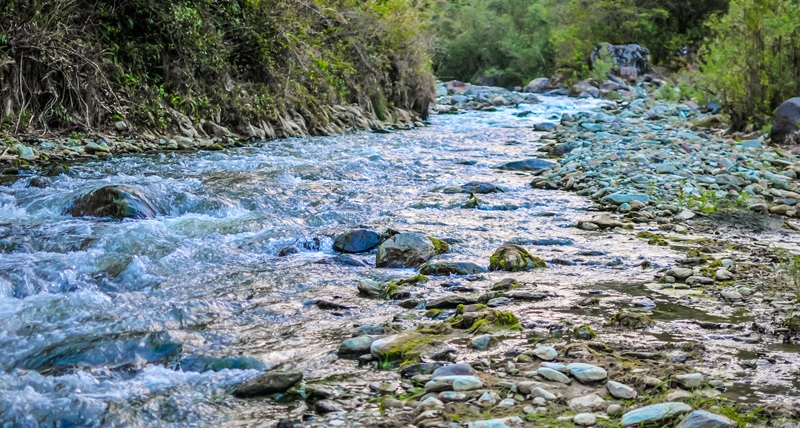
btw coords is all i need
(584, 419)
(538, 392)
(620, 391)
(545, 353)
(455, 383)
(677, 395)
(705, 419)
(507, 422)
(654, 413)
(614, 409)
(586, 373)
(552, 375)
(590, 402)
(690, 380)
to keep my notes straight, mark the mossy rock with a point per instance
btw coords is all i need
(113, 201)
(403, 348)
(653, 239)
(510, 257)
(391, 290)
(629, 320)
(506, 285)
(584, 332)
(441, 246)
(487, 321)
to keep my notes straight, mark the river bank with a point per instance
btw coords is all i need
(675, 296)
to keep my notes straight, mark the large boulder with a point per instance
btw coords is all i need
(510, 257)
(405, 250)
(786, 121)
(629, 61)
(113, 201)
(356, 241)
(538, 85)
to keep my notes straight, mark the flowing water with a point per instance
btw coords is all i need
(153, 322)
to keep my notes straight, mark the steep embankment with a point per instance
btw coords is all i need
(205, 68)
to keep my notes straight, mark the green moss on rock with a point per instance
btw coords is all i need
(631, 320)
(510, 257)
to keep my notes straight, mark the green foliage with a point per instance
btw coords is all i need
(233, 61)
(504, 41)
(753, 62)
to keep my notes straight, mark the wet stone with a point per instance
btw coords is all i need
(356, 241)
(327, 406)
(357, 346)
(483, 342)
(508, 422)
(269, 383)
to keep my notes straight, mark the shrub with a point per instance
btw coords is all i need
(753, 62)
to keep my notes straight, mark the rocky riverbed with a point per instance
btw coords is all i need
(525, 260)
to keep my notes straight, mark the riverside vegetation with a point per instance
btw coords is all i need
(590, 250)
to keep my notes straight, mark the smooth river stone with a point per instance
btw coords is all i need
(586, 373)
(457, 383)
(545, 353)
(704, 419)
(552, 375)
(654, 413)
(620, 391)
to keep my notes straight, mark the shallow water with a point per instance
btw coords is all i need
(152, 322)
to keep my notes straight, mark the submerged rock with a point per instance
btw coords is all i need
(356, 241)
(534, 164)
(269, 383)
(446, 268)
(113, 201)
(510, 257)
(405, 250)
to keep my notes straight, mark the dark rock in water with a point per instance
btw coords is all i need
(289, 423)
(269, 383)
(545, 126)
(786, 121)
(451, 301)
(525, 295)
(114, 201)
(406, 250)
(506, 284)
(479, 188)
(446, 268)
(328, 305)
(629, 61)
(58, 170)
(534, 164)
(552, 242)
(356, 241)
(38, 182)
(327, 406)
(288, 250)
(343, 260)
(202, 363)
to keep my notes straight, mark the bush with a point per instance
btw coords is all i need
(75, 64)
(753, 62)
(503, 41)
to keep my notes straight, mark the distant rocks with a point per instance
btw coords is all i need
(534, 165)
(786, 122)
